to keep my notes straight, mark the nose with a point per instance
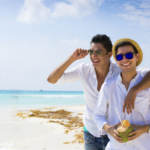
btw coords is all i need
(94, 54)
(124, 59)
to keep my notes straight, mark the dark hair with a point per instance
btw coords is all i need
(104, 40)
(125, 43)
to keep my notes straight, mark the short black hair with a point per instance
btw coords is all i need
(104, 40)
(125, 43)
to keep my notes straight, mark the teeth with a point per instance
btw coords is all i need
(95, 61)
(126, 64)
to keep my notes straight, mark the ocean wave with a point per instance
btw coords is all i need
(48, 96)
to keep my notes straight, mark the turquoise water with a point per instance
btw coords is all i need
(40, 98)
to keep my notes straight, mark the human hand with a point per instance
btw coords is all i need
(129, 101)
(113, 132)
(138, 131)
(79, 54)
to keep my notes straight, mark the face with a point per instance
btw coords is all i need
(127, 65)
(99, 56)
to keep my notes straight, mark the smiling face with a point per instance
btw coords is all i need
(99, 59)
(127, 65)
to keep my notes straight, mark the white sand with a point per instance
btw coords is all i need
(34, 133)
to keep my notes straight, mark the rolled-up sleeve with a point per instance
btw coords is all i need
(100, 113)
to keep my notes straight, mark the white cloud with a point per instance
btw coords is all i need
(33, 10)
(76, 8)
(36, 10)
(138, 14)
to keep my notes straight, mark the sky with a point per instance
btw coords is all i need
(36, 36)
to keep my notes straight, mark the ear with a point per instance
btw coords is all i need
(137, 57)
(110, 54)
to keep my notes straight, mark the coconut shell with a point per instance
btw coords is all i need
(124, 135)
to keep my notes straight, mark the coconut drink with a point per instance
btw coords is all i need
(124, 129)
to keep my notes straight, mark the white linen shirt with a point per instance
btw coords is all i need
(110, 110)
(86, 74)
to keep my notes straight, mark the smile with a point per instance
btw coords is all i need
(126, 64)
(96, 61)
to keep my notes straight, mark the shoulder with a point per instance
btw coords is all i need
(85, 65)
(110, 85)
(86, 68)
(114, 72)
(143, 71)
(115, 69)
(79, 67)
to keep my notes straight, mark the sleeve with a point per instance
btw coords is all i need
(71, 75)
(143, 71)
(101, 110)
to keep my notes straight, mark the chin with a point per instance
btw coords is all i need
(97, 64)
(127, 69)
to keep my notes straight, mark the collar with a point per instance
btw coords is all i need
(132, 82)
(111, 73)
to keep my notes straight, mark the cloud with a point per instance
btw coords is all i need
(139, 14)
(76, 8)
(36, 11)
(33, 11)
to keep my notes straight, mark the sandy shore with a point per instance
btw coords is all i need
(41, 129)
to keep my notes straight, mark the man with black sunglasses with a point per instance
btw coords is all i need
(109, 114)
(92, 76)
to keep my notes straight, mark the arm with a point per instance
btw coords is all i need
(101, 110)
(100, 115)
(145, 128)
(58, 72)
(138, 131)
(130, 98)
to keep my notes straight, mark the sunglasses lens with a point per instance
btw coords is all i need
(129, 55)
(98, 52)
(119, 57)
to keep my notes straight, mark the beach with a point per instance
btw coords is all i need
(51, 128)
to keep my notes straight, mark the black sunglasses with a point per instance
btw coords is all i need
(128, 55)
(98, 52)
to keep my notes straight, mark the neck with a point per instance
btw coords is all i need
(127, 77)
(102, 70)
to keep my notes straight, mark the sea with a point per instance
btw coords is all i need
(37, 99)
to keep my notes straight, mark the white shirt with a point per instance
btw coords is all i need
(86, 74)
(109, 110)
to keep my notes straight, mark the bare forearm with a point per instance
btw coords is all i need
(58, 72)
(144, 84)
(131, 96)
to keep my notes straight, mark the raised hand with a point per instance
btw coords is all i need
(79, 54)
(58, 72)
